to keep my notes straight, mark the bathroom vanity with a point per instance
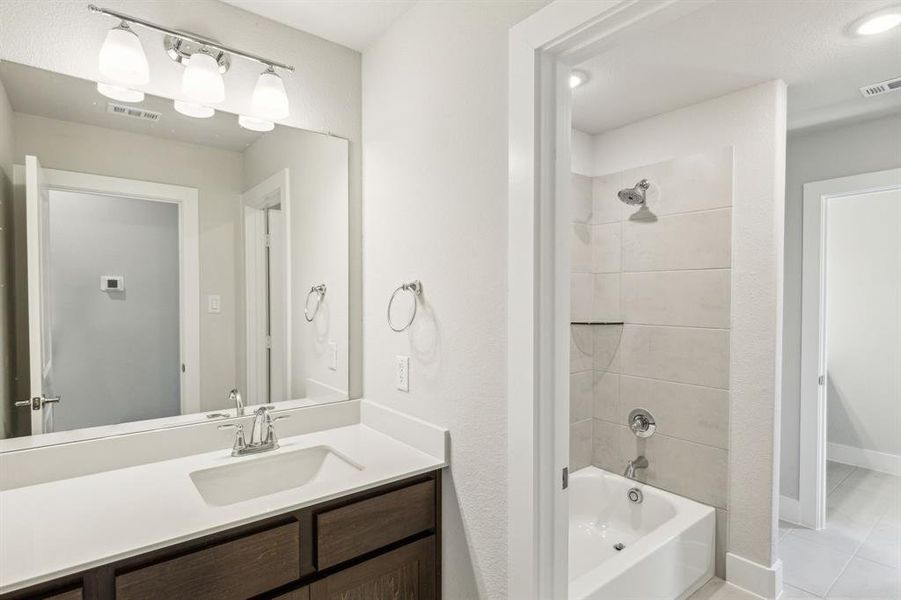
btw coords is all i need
(349, 506)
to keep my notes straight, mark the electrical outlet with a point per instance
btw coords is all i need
(214, 304)
(333, 356)
(402, 373)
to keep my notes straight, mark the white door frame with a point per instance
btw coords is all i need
(542, 49)
(272, 191)
(188, 254)
(812, 484)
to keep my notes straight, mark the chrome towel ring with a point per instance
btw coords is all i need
(319, 290)
(415, 288)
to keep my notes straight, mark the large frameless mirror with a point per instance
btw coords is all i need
(153, 262)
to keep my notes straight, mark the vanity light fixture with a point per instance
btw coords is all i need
(255, 124)
(122, 57)
(192, 109)
(577, 78)
(201, 81)
(122, 94)
(269, 97)
(122, 60)
(878, 22)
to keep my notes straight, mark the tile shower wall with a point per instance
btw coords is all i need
(665, 273)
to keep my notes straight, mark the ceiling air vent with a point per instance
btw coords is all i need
(133, 112)
(883, 87)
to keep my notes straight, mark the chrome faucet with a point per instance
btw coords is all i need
(639, 463)
(234, 397)
(262, 433)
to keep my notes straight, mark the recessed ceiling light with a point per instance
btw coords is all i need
(878, 22)
(577, 78)
(122, 94)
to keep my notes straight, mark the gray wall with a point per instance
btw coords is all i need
(115, 355)
(813, 156)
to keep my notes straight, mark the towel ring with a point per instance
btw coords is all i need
(319, 290)
(414, 287)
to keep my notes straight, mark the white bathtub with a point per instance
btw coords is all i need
(668, 541)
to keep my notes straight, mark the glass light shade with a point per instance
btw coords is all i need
(202, 82)
(880, 23)
(255, 124)
(191, 109)
(122, 94)
(122, 58)
(270, 100)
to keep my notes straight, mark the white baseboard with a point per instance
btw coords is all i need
(868, 459)
(752, 577)
(790, 510)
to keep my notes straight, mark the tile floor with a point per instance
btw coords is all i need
(858, 554)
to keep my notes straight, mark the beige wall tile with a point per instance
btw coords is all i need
(581, 247)
(687, 412)
(606, 204)
(581, 355)
(679, 354)
(689, 298)
(607, 397)
(607, 446)
(581, 292)
(699, 240)
(580, 444)
(581, 198)
(688, 183)
(606, 298)
(606, 248)
(607, 341)
(693, 470)
(581, 398)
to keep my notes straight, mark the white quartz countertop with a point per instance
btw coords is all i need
(61, 527)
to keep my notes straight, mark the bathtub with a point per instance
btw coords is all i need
(668, 540)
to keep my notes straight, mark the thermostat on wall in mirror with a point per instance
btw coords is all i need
(112, 283)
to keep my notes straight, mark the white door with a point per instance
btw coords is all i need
(37, 220)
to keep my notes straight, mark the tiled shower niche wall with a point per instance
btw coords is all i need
(665, 273)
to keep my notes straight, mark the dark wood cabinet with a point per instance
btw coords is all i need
(380, 544)
(407, 573)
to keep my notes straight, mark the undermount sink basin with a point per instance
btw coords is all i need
(260, 476)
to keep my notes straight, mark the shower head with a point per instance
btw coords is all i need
(634, 196)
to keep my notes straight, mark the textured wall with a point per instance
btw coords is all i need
(752, 121)
(865, 147)
(325, 90)
(435, 139)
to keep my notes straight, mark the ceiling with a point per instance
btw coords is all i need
(730, 45)
(351, 23)
(47, 94)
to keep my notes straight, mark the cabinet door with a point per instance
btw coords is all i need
(407, 573)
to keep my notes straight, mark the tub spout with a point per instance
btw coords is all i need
(639, 463)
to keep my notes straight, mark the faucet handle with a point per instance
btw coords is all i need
(240, 442)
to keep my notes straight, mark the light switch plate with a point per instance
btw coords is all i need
(402, 373)
(333, 356)
(214, 304)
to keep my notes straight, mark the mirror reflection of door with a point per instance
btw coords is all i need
(267, 288)
(105, 345)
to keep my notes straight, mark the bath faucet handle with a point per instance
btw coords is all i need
(642, 423)
(240, 442)
(270, 428)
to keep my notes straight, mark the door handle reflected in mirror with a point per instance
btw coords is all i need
(38, 403)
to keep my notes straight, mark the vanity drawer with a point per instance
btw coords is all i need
(70, 595)
(236, 569)
(354, 529)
